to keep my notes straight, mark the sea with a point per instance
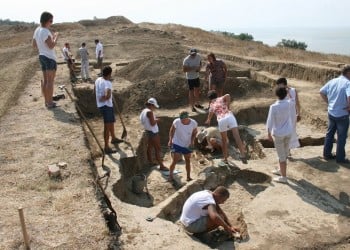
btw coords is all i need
(330, 40)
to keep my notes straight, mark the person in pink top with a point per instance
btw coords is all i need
(220, 106)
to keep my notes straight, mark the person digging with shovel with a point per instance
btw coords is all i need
(103, 90)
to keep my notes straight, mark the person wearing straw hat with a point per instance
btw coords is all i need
(211, 137)
(150, 124)
(182, 134)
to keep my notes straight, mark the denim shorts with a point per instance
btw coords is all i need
(180, 150)
(47, 63)
(198, 226)
(108, 114)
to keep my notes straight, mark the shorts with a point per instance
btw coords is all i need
(47, 63)
(198, 226)
(193, 83)
(108, 114)
(217, 84)
(282, 147)
(151, 134)
(180, 150)
(227, 123)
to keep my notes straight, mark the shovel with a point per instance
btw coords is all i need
(125, 133)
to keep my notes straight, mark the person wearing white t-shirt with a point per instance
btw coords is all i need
(202, 212)
(182, 133)
(99, 54)
(103, 91)
(70, 61)
(45, 41)
(150, 124)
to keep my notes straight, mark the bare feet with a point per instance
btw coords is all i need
(189, 179)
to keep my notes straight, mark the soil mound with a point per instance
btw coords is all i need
(113, 20)
(151, 68)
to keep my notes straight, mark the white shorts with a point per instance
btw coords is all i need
(282, 147)
(227, 123)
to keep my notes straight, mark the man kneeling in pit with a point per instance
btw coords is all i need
(202, 213)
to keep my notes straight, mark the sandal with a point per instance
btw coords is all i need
(108, 151)
(116, 140)
(52, 105)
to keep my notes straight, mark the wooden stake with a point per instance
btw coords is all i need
(24, 230)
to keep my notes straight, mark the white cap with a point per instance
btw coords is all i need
(153, 101)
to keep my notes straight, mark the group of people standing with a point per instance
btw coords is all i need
(45, 41)
(84, 58)
(201, 211)
(183, 131)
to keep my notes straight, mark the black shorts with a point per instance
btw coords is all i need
(193, 83)
(108, 114)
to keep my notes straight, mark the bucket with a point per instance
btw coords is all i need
(139, 182)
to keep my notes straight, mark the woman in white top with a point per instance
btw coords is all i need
(293, 96)
(279, 129)
(44, 41)
(150, 124)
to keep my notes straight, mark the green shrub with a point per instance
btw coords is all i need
(292, 44)
(242, 36)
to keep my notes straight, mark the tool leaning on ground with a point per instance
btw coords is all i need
(125, 133)
(97, 181)
(85, 120)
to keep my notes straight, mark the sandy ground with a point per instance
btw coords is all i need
(311, 212)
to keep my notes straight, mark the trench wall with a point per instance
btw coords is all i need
(305, 72)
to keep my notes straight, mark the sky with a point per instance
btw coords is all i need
(205, 14)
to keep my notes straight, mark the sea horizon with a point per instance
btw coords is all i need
(330, 40)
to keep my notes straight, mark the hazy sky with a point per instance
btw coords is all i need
(206, 14)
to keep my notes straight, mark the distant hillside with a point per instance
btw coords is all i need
(10, 22)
